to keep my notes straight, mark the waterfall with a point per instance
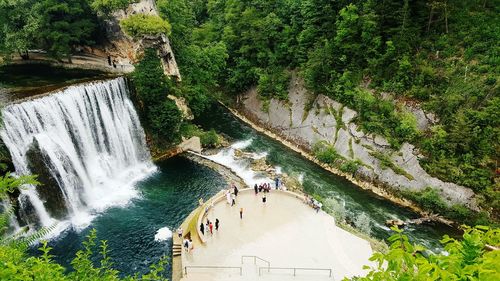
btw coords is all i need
(87, 145)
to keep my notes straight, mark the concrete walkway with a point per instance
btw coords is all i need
(286, 232)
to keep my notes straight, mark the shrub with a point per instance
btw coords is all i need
(210, 139)
(336, 209)
(350, 166)
(140, 24)
(362, 222)
(326, 153)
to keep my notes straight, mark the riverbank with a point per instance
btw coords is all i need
(370, 186)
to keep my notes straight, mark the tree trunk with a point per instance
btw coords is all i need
(446, 17)
(430, 19)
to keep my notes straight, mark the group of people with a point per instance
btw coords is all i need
(266, 186)
(231, 196)
(209, 226)
(315, 204)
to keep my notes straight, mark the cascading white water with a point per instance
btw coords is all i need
(92, 144)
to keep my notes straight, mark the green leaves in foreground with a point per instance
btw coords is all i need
(15, 264)
(474, 257)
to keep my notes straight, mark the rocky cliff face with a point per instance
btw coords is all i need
(330, 121)
(126, 50)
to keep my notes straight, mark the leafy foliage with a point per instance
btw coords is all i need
(108, 6)
(370, 56)
(163, 118)
(465, 259)
(139, 25)
(53, 25)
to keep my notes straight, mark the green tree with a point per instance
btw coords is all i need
(108, 6)
(64, 24)
(17, 27)
(139, 25)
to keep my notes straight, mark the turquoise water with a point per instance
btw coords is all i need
(167, 197)
(170, 194)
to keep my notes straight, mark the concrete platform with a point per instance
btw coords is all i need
(284, 231)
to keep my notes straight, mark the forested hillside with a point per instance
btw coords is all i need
(443, 55)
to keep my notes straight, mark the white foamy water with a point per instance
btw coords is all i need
(91, 141)
(241, 167)
(163, 234)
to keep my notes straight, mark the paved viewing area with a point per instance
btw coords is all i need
(285, 232)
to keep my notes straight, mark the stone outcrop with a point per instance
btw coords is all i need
(330, 121)
(127, 51)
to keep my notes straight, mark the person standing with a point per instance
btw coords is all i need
(233, 197)
(241, 213)
(235, 190)
(277, 181)
(179, 232)
(186, 245)
(256, 189)
(109, 60)
(202, 229)
(264, 199)
(228, 197)
(211, 225)
(216, 224)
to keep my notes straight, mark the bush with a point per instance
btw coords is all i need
(362, 222)
(350, 166)
(326, 153)
(210, 139)
(273, 84)
(336, 209)
(140, 24)
(165, 120)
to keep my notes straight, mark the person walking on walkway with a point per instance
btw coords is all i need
(233, 197)
(256, 189)
(211, 225)
(264, 199)
(241, 213)
(186, 244)
(202, 229)
(235, 190)
(179, 232)
(216, 224)
(228, 197)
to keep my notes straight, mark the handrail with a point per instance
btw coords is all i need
(255, 260)
(295, 269)
(212, 267)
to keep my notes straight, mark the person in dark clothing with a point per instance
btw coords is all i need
(202, 229)
(235, 190)
(256, 189)
(109, 60)
(216, 224)
(241, 213)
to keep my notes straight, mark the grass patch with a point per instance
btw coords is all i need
(386, 162)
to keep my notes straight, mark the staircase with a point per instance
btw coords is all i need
(176, 250)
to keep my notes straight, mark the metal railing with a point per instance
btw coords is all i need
(212, 267)
(255, 258)
(295, 269)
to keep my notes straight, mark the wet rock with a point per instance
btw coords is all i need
(49, 190)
